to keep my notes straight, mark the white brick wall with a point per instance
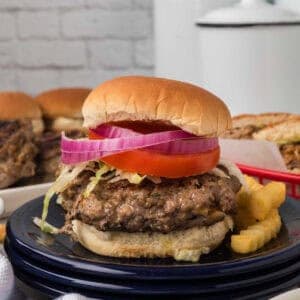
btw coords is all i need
(51, 43)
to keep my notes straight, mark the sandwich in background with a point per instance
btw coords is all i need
(280, 128)
(287, 135)
(61, 110)
(20, 125)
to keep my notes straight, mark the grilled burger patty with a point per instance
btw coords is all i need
(17, 149)
(171, 205)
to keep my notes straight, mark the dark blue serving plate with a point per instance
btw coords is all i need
(63, 253)
(134, 287)
(261, 292)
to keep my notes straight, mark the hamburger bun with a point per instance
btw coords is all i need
(138, 98)
(186, 244)
(281, 133)
(260, 120)
(63, 102)
(17, 105)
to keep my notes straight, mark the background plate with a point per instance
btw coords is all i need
(61, 252)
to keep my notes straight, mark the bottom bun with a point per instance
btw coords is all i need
(185, 245)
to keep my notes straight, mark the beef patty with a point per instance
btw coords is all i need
(171, 205)
(17, 151)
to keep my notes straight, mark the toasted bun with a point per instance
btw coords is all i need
(64, 102)
(186, 244)
(16, 105)
(281, 133)
(260, 120)
(173, 102)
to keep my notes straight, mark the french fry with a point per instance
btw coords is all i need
(243, 219)
(265, 199)
(252, 183)
(264, 229)
(257, 235)
(243, 243)
(257, 215)
(276, 192)
(243, 198)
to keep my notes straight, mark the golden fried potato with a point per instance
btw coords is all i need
(274, 221)
(259, 235)
(243, 198)
(252, 184)
(243, 219)
(263, 200)
(276, 192)
(243, 243)
(264, 229)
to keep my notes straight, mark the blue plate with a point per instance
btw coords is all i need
(62, 253)
(263, 292)
(134, 287)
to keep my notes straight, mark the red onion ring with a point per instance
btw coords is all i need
(117, 140)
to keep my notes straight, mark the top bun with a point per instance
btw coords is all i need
(138, 98)
(63, 102)
(16, 105)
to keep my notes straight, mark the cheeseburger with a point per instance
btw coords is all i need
(20, 124)
(61, 110)
(148, 181)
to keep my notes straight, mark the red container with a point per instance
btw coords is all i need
(264, 175)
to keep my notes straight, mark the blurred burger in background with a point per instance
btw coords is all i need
(61, 110)
(20, 125)
(280, 128)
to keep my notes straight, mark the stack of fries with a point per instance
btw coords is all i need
(257, 219)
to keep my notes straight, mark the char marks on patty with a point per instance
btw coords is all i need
(17, 150)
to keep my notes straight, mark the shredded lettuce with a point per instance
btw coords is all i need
(95, 179)
(46, 227)
(133, 178)
(68, 173)
(59, 200)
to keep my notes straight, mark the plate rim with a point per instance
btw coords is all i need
(28, 266)
(239, 264)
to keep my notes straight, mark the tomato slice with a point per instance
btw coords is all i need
(162, 165)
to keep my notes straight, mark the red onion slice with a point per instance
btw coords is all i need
(118, 140)
(123, 143)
